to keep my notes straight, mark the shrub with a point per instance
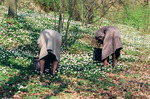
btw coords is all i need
(136, 16)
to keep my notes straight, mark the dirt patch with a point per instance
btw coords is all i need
(89, 40)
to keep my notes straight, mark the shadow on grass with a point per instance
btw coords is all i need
(80, 82)
(12, 84)
(84, 82)
(10, 87)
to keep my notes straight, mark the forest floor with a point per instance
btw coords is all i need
(77, 77)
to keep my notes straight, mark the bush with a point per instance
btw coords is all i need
(136, 16)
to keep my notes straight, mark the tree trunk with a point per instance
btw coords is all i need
(60, 18)
(102, 2)
(12, 10)
(69, 19)
(54, 11)
(82, 13)
(146, 1)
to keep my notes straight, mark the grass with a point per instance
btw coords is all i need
(135, 15)
(77, 76)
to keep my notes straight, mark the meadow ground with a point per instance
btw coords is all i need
(77, 76)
